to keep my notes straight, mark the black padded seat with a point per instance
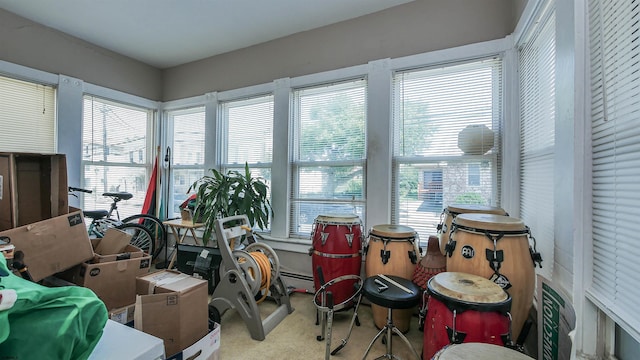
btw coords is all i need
(388, 294)
(393, 297)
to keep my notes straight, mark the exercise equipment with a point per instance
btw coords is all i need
(244, 274)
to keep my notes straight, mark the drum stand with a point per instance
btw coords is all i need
(241, 277)
(326, 306)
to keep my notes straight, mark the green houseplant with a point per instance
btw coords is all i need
(221, 195)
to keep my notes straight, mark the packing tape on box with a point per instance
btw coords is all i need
(165, 280)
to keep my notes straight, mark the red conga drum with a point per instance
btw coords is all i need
(337, 251)
(496, 247)
(392, 250)
(453, 210)
(465, 308)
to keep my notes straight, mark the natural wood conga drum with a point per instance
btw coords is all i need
(453, 210)
(392, 250)
(496, 247)
(478, 351)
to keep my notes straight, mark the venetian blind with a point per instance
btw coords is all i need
(27, 117)
(537, 133)
(614, 35)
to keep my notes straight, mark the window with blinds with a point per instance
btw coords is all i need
(536, 84)
(28, 117)
(328, 153)
(186, 153)
(446, 141)
(248, 136)
(115, 153)
(615, 110)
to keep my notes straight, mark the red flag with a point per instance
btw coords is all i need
(149, 205)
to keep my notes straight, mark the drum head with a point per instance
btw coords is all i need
(338, 219)
(479, 351)
(489, 222)
(475, 208)
(467, 288)
(393, 231)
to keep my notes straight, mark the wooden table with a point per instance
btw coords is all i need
(188, 226)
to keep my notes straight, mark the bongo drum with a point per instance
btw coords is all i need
(337, 251)
(392, 250)
(450, 213)
(478, 351)
(465, 308)
(496, 247)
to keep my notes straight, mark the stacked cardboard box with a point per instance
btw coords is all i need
(112, 271)
(172, 306)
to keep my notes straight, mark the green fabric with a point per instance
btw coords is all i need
(49, 323)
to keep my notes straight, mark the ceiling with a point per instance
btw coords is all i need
(166, 33)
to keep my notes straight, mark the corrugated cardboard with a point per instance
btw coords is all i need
(172, 306)
(53, 245)
(113, 242)
(33, 187)
(123, 315)
(112, 277)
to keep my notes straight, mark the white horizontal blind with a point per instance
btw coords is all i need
(615, 113)
(537, 132)
(447, 124)
(27, 117)
(115, 153)
(248, 136)
(329, 152)
(186, 153)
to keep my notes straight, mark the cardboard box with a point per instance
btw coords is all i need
(33, 187)
(53, 245)
(207, 348)
(172, 306)
(123, 342)
(123, 315)
(111, 276)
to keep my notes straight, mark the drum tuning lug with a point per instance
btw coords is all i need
(536, 257)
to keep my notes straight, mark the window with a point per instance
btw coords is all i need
(111, 133)
(328, 153)
(615, 135)
(28, 113)
(537, 132)
(473, 174)
(186, 153)
(248, 135)
(445, 120)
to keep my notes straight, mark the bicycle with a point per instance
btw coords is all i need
(147, 231)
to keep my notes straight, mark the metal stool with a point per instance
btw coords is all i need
(392, 292)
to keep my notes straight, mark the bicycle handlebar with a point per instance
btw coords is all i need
(71, 188)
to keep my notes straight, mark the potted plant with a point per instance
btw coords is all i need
(221, 195)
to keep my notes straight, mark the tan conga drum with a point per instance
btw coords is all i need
(453, 210)
(392, 250)
(496, 247)
(478, 351)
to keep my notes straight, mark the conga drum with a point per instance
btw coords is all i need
(496, 247)
(465, 308)
(450, 213)
(392, 250)
(479, 351)
(337, 251)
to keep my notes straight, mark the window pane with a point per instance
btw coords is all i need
(27, 117)
(115, 154)
(250, 130)
(329, 153)
(187, 157)
(446, 134)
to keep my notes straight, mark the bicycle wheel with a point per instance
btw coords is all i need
(140, 236)
(155, 226)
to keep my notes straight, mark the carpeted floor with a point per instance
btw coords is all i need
(294, 338)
